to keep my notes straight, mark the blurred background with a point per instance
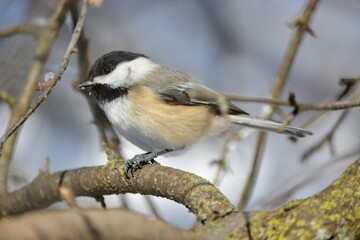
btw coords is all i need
(232, 46)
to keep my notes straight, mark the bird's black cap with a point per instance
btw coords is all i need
(107, 63)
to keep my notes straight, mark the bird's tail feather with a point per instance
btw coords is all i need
(267, 125)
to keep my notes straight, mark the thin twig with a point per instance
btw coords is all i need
(249, 186)
(123, 201)
(26, 28)
(58, 75)
(329, 106)
(290, 117)
(221, 167)
(326, 139)
(350, 86)
(278, 87)
(8, 98)
(248, 99)
(302, 106)
(293, 48)
(221, 163)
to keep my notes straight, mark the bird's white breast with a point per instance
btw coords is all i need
(119, 113)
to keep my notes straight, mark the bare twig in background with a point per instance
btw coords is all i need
(26, 28)
(355, 97)
(328, 138)
(350, 86)
(221, 166)
(123, 201)
(288, 119)
(332, 105)
(45, 42)
(302, 27)
(19, 118)
(221, 163)
(8, 98)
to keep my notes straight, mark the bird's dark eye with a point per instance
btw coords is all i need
(106, 70)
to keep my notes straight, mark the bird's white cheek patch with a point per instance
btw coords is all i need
(119, 77)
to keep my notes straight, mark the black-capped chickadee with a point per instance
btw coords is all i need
(161, 109)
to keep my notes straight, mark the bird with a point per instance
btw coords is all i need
(161, 109)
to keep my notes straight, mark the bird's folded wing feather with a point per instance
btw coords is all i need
(192, 93)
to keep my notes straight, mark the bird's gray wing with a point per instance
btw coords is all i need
(175, 87)
(196, 94)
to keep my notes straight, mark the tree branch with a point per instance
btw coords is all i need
(88, 224)
(197, 194)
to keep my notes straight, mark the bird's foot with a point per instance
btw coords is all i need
(138, 161)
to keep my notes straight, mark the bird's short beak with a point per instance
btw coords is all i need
(86, 84)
